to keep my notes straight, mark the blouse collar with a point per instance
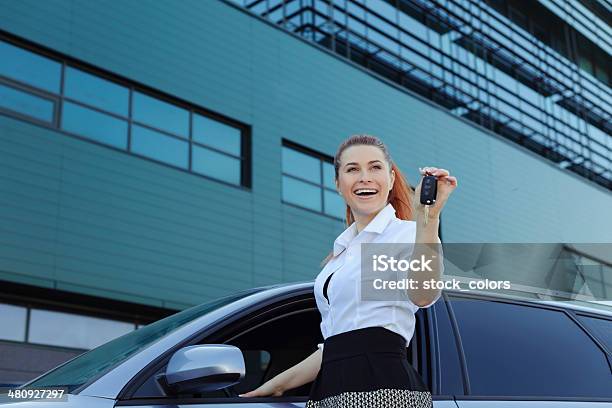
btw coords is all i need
(377, 226)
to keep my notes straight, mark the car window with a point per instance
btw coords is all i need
(600, 327)
(519, 350)
(81, 369)
(270, 344)
(450, 377)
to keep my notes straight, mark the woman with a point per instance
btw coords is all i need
(362, 362)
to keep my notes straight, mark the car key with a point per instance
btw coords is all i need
(429, 190)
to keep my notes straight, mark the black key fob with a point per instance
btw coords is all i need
(429, 189)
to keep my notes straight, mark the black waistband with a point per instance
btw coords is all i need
(365, 340)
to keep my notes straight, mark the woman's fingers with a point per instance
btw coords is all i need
(434, 171)
(450, 180)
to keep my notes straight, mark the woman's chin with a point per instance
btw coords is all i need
(366, 208)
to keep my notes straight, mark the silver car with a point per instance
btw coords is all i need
(472, 349)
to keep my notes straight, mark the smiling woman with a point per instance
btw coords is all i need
(367, 179)
(363, 360)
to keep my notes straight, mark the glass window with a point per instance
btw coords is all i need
(529, 351)
(12, 322)
(94, 125)
(26, 104)
(301, 165)
(601, 328)
(214, 164)
(159, 114)
(159, 146)
(451, 382)
(71, 330)
(216, 134)
(30, 68)
(96, 91)
(301, 193)
(334, 204)
(329, 175)
(319, 193)
(97, 361)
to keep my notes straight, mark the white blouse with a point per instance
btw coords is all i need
(344, 311)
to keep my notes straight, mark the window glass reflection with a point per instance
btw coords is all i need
(334, 204)
(301, 193)
(159, 146)
(76, 331)
(26, 104)
(96, 91)
(542, 371)
(216, 165)
(35, 89)
(329, 175)
(301, 165)
(160, 114)
(216, 134)
(94, 125)
(12, 322)
(30, 68)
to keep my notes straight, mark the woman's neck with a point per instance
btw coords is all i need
(362, 220)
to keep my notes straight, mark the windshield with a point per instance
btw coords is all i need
(94, 362)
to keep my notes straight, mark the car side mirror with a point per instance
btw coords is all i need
(202, 368)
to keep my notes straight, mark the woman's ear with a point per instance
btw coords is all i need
(392, 179)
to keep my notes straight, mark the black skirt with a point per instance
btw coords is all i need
(367, 368)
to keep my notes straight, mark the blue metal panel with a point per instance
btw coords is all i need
(91, 219)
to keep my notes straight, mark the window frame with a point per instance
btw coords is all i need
(38, 93)
(245, 157)
(570, 313)
(249, 318)
(322, 158)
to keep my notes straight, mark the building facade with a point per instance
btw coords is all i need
(159, 154)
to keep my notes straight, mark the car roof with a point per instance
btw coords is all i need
(576, 305)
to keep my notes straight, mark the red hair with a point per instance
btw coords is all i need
(400, 196)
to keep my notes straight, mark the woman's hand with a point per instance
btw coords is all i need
(268, 389)
(446, 185)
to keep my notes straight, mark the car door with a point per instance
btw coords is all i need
(520, 354)
(272, 340)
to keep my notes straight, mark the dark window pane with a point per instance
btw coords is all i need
(334, 204)
(301, 165)
(601, 328)
(329, 175)
(451, 382)
(529, 351)
(94, 125)
(12, 322)
(302, 194)
(161, 115)
(585, 63)
(33, 69)
(26, 104)
(215, 165)
(216, 134)
(159, 146)
(96, 91)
